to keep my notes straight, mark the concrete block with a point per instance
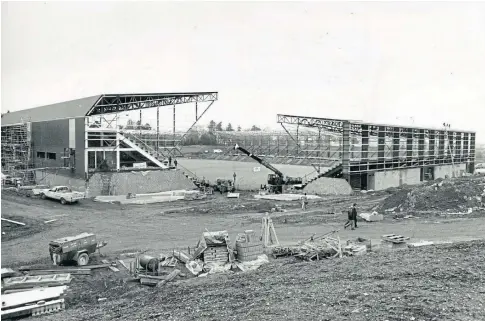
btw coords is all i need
(328, 186)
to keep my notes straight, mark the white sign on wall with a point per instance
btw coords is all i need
(140, 165)
(256, 169)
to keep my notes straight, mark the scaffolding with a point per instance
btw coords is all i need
(17, 151)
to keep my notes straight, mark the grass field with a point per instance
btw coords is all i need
(246, 177)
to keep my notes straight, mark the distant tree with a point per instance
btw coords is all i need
(229, 128)
(147, 126)
(212, 126)
(120, 126)
(239, 128)
(255, 128)
(207, 139)
(130, 124)
(219, 126)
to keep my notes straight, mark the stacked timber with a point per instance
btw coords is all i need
(216, 254)
(248, 248)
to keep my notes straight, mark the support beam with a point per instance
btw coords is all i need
(381, 144)
(120, 103)
(173, 125)
(409, 145)
(346, 151)
(421, 147)
(291, 136)
(432, 145)
(365, 143)
(158, 132)
(396, 144)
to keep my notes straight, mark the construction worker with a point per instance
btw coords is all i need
(169, 161)
(175, 163)
(354, 215)
(349, 218)
(304, 202)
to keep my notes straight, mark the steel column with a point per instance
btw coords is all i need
(346, 151)
(381, 143)
(409, 145)
(421, 146)
(173, 125)
(158, 132)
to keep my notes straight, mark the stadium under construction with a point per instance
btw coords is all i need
(80, 139)
(69, 143)
(369, 156)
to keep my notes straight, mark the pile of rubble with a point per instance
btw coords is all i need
(457, 195)
(312, 249)
(39, 290)
(212, 254)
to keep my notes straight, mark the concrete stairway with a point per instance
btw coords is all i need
(334, 171)
(142, 148)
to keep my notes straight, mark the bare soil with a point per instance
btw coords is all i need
(445, 282)
(441, 282)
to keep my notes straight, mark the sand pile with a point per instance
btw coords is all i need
(456, 195)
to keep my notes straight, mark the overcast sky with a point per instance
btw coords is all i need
(403, 63)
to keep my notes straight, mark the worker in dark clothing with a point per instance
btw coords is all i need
(175, 163)
(354, 215)
(170, 161)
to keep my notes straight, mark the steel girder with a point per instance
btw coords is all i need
(120, 103)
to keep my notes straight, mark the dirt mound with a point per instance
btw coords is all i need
(13, 231)
(457, 195)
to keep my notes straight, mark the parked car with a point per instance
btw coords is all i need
(480, 171)
(61, 193)
(7, 179)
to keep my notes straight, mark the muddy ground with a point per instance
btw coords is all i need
(423, 284)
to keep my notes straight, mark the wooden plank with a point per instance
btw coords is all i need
(114, 269)
(169, 278)
(21, 298)
(15, 222)
(41, 272)
(105, 261)
(60, 268)
(124, 264)
(153, 277)
(147, 281)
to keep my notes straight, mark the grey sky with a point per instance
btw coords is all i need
(380, 62)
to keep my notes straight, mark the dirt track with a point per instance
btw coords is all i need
(159, 227)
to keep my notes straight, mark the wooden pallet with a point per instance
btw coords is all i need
(394, 238)
(22, 282)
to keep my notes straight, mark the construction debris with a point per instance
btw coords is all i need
(33, 302)
(7, 272)
(372, 217)
(11, 221)
(313, 248)
(284, 197)
(25, 282)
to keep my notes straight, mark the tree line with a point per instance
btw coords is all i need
(213, 126)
